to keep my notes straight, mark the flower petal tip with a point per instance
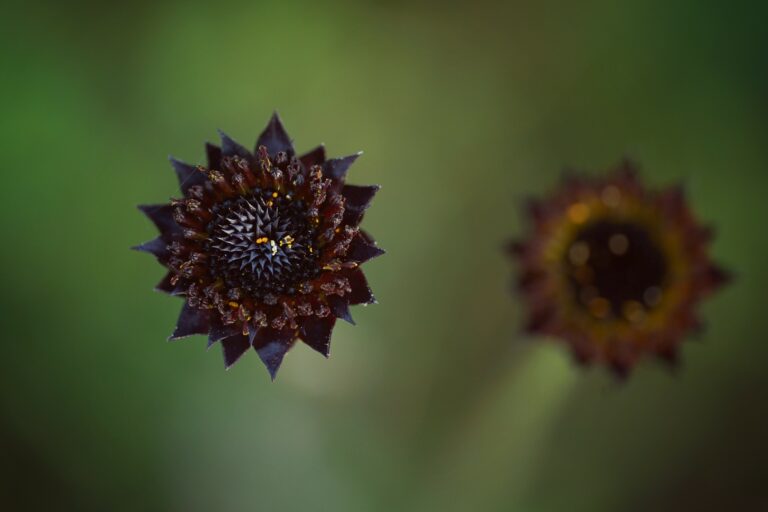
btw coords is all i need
(229, 147)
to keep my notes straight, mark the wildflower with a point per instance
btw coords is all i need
(264, 247)
(615, 269)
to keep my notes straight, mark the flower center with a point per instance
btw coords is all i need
(262, 244)
(616, 269)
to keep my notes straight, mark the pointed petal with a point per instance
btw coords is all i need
(275, 138)
(515, 247)
(232, 348)
(540, 320)
(357, 201)
(314, 157)
(536, 210)
(213, 153)
(366, 236)
(157, 247)
(165, 285)
(188, 175)
(182, 285)
(361, 251)
(361, 293)
(337, 168)
(191, 321)
(340, 308)
(359, 197)
(316, 332)
(717, 277)
(672, 201)
(231, 148)
(219, 331)
(180, 288)
(670, 355)
(620, 369)
(271, 345)
(162, 216)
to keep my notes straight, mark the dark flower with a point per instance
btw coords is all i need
(614, 269)
(264, 247)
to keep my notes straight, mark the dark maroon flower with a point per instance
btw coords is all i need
(615, 269)
(265, 248)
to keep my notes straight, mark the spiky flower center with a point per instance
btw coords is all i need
(616, 270)
(263, 243)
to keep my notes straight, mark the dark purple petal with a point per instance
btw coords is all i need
(233, 348)
(271, 345)
(180, 288)
(367, 236)
(316, 332)
(157, 246)
(340, 308)
(336, 168)
(219, 331)
(162, 216)
(165, 285)
(357, 197)
(188, 175)
(275, 138)
(191, 321)
(536, 210)
(717, 276)
(361, 293)
(214, 155)
(231, 148)
(182, 285)
(314, 157)
(670, 355)
(360, 250)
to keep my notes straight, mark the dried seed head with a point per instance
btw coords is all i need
(614, 269)
(260, 244)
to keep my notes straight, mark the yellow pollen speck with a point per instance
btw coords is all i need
(599, 307)
(579, 253)
(618, 244)
(287, 240)
(634, 311)
(584, 274)
(262, 240)
(578, 213)
(234, 304)
(274, 194)
(270, 203)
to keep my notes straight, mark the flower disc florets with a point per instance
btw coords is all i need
(263, 244)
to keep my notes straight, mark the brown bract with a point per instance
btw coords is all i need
(615, 269)
(264, 247)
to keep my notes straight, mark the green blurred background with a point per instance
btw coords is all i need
(434, 401)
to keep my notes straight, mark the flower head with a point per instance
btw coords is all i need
(265, 247)
(615, 269)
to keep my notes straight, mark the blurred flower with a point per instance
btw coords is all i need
(265, 248)
(615, 269)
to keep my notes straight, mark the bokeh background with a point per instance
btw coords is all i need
(434, 401)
